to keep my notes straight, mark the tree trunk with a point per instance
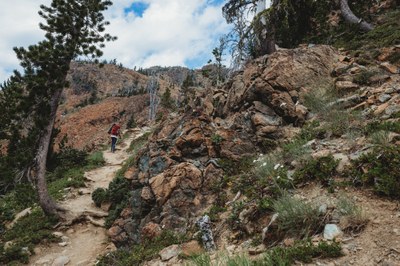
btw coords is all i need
(349, 16)
(48, 205)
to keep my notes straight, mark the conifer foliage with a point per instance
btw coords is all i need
(72, 28)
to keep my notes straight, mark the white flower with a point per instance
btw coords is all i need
(277, 166)
(278, 177)
(264, 164)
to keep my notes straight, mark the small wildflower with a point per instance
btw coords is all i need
(264, 164)
(277, 166)
(278, 177)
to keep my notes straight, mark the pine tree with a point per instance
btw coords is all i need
(73, 28)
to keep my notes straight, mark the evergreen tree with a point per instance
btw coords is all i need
(166, 99)
(73, 28)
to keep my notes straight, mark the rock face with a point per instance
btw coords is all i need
(173, 174)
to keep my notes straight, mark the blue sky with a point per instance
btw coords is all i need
(150, 32)
(138, 8)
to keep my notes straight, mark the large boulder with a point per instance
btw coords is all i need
(277, 80)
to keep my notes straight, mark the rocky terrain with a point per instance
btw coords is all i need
(293, 160)
(180, 173)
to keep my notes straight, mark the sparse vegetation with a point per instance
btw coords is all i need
(296, 218)
(322, 169)
(24, 235)
(147, 250)
(379, 169)
(353, 219)
(216, 139)
(363, 78)
(303, 251)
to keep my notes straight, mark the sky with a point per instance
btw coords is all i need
(150, 32)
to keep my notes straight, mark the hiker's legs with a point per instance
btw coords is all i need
(113, 142)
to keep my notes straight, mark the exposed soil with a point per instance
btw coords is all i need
(379, 242)
(83, 236)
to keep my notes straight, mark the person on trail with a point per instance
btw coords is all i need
(115, 133)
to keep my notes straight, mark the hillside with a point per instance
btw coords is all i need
(291, 160)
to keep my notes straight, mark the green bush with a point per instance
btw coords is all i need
(99, 196)
(118, 193)
(25, 234)
(22, 197)
(302, 251)
(379, 169)
(296, 218)
(375, 126)
(216, 139)
(363, 77)
(380, 138)
(96, 159)
(214, 212)
(71, 178)
(322, 169)
(131, 122)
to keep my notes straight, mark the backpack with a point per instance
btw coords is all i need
(115, 130)
(109, 131)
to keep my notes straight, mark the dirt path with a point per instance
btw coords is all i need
(84, 238)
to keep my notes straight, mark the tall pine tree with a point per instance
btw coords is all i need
(72, 28)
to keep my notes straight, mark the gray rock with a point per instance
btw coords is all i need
(392, 109)
(332, 231)
(63, 244)
(323, 209)
(384, 97)
(343, 161)
(61, 261)
(169, 252)
(204, 224)
(58, 234)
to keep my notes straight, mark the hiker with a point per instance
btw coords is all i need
(115, 132)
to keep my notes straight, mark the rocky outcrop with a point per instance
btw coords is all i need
(173, 174)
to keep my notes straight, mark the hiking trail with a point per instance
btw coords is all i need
(83, 236)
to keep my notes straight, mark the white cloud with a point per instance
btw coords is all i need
(172, 32)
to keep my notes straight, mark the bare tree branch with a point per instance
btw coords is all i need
(349, 16)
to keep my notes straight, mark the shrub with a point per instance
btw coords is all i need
(301, 251)
(22, 197)
(375, 126)
(296, 218)
(25, 234)
(99, 196)
(322, 169)
(380, 138)
(214, 212)
(118, 194)
(131, 122)
(295, 150)
(363, 77)
(353, 219)
(216, 139)
(96, 159)
(379, 169)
